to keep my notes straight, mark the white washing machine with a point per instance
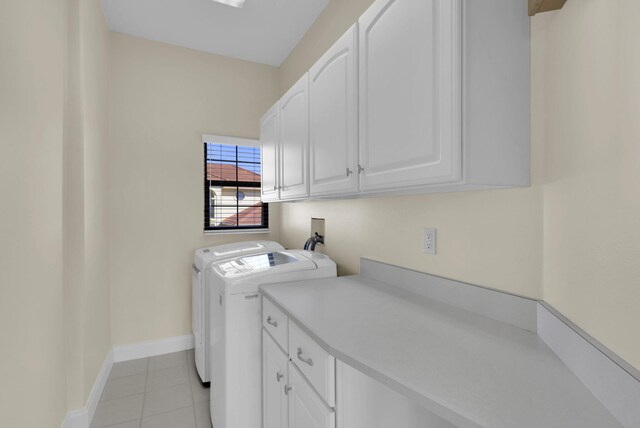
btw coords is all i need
(203, 259)
(236, 323)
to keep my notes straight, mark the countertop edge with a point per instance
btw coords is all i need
(422, 400)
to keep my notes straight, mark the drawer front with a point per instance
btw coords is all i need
(275, 322)
(314, 362)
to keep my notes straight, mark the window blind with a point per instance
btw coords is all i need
(232, 188)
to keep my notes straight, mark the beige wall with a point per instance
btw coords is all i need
(86, 291)
(164, 99)
(591, 198)
(32, 373)
(54, 317)
(493, 238)
(338, 17)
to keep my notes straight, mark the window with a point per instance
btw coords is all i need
(232, 185)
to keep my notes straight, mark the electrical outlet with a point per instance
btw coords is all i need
(429, 240)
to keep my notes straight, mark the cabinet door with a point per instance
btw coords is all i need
(306, 408)
(274, 378)
(294, 141)
(269, 151)
(410, 93)
(333, 119)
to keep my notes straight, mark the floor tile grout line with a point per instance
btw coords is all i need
(120, 398)
(162, 368)
(144, 397)
(124, 377)
(120, 423)
(92, 425)
(165, 412)
(162, 389)
(167, 387)
(100, 400)
(146, 381)
(188, 380)
(169, 367)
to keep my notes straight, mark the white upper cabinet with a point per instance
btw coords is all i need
(333, 96)
(293, 109)
(269, 146)
(419, 96)
(410, 93)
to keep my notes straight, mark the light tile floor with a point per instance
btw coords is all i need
(157, 392)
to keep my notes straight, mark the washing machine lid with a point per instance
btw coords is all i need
(204, 256)
(270, 263)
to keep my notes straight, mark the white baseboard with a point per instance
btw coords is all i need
(77, 419)
(81, 418)
(67, 421)
(152, 348)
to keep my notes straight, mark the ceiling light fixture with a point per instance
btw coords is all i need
(234, 3)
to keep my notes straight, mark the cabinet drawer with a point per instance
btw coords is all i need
(314, 362)
(275, 322)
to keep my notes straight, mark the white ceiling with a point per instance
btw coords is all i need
(264, 31)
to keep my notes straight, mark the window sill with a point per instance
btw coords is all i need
(236, 232)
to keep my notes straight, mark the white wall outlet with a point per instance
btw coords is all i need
(429, 240)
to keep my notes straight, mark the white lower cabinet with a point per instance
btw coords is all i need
(306, 408)
(288, 400)
(315, 364)
(308, 388)
(274, 381)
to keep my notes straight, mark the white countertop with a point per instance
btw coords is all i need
(467, 368)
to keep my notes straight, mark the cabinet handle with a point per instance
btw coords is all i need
(349, 172)
(287, 388)
(270, 321)
(304, 360)
(279, 376)
(275, 187)
(360, 169)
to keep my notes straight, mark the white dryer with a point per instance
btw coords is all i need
(236, 323)
(203, 259)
